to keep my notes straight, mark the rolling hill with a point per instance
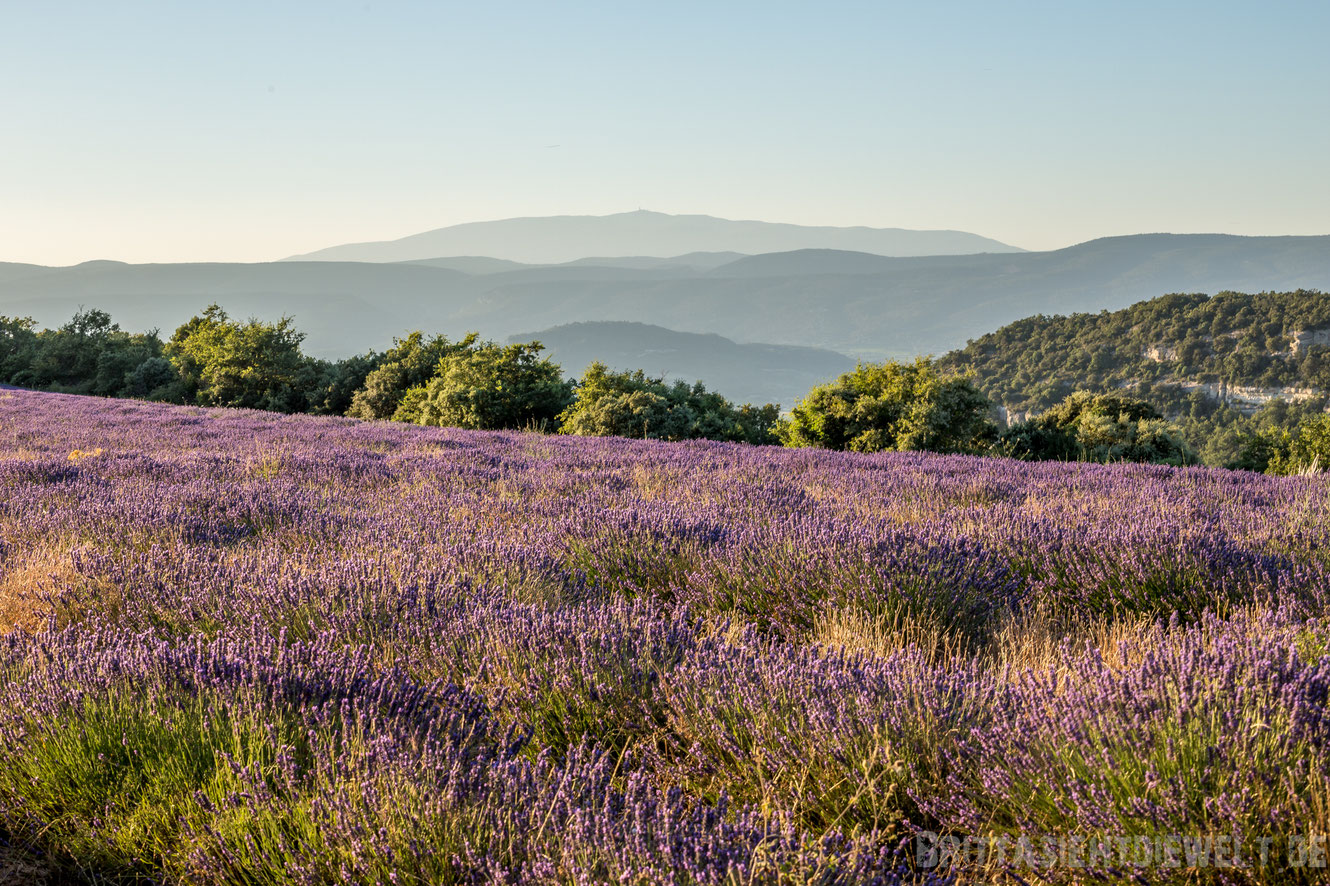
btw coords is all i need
(858, 304)
(745, 373)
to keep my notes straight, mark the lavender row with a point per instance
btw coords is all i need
(250, 648)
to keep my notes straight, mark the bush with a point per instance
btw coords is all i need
(255, 365)
(1099, 428)
(1304, 451)
(893, 406)
(410, 363)
(154, 379)
(490, 387)
(632, 404)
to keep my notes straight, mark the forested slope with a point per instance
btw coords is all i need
(1266, 340)
(1220, 365)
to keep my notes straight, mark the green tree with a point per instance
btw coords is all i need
(120, 357)
(410, 363)
(1306, 450)
(333, 385)
(893, 406)
(18, 346)
(491, 387)
(154, 379)
(253, 364)
(408, 410)
(1100, 428)
(633, 404)
(90, 354)
(66, 358)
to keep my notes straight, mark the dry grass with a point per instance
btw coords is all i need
(856, 630)
(267, 461)
(1042, 642)
(27, 579)
(653, 483)
(1034, 641)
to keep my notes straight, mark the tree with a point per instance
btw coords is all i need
(490, 387)
(120, 357)
(412, 402)
(87, 355)
(334, 385)
(1304, 451)
(253, 364)
(410, 363)
(893, 406)
(633, 404)
(154, 379)
(66, 358)
(18, 346)
(1100, 428)
(760, 425)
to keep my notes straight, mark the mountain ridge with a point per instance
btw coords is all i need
(750, 372)
(865, 306)
(564, 238)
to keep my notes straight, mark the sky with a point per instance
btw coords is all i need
(239, 131)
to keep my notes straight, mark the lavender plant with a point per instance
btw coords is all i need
(241, 647)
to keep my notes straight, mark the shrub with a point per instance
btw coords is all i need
(1099, 428)
(490, 387)
(893, 406)
(633, 404)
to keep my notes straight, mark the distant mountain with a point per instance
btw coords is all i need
(876, 307)
(15, 271)
(342, 308)
(692, 262)
(470, 264)
(808, 262)
(862, 305)
(564, 238)
(745, 373)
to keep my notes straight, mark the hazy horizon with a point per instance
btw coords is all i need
(332, 246)
(152, 132)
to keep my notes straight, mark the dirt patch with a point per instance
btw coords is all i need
(19, 868)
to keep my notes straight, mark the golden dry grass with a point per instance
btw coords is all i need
(28, 576)
(1039, 641)
(652, 484)
(856, 630)
(1033, 641)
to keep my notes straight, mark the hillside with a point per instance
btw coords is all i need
(850, 302)
(744, 373)
(570, 237)
(297, 649)
(1243, 347)
(1222, 368)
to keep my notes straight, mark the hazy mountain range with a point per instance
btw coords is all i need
(859, 304)
(745, 373)
(570, 237)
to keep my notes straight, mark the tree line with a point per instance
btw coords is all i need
(214, 360)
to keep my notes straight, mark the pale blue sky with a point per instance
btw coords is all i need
(244, 131)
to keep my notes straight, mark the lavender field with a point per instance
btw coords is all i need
(247, 648)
